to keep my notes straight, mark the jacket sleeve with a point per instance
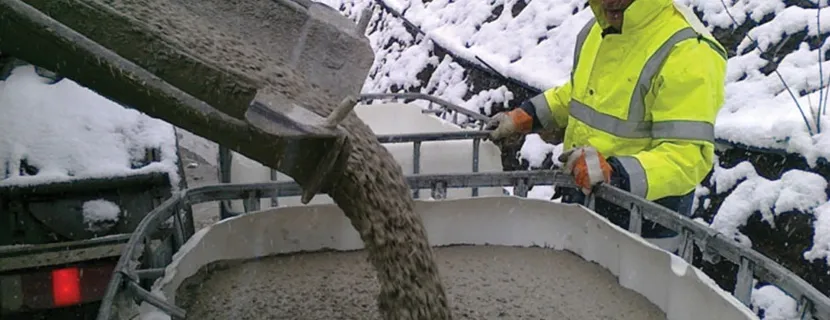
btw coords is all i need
(549, 109)
(684, 102)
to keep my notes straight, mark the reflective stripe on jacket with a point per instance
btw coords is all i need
(646, 97)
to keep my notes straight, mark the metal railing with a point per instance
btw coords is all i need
(474, 119)
(712, 244)
(811, 302)
(252, 204)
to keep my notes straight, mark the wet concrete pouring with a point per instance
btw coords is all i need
(371, 191)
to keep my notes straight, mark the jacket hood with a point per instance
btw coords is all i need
(635, 17)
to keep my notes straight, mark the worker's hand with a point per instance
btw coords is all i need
(505, 124)
(587, 166)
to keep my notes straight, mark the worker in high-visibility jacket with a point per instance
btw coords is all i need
(638, 111)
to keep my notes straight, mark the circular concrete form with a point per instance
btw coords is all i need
(483, 282)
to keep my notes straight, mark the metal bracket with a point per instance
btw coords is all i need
(439, 190)
(743, 285)
(687, 249)
(591, 201)
(251, 202)
(315, 154)
(635, 221)
(144, 295)
(521, 187)
(804, 308)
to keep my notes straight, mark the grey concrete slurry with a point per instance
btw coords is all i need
(483, 282)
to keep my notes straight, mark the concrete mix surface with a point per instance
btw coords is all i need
(483, 282)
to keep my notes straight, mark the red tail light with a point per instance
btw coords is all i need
(46, 289)
(66, 287)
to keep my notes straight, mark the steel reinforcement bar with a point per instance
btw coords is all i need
(811, 302)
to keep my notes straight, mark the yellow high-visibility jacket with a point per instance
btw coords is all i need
(646, 96)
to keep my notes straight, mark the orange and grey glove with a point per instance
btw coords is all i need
(587, 166)
(505, 124)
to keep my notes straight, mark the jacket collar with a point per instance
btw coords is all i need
(637, 16)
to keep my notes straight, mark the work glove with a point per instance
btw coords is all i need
(587, 166)
(505, 124)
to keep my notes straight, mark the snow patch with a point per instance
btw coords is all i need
(535, 150)
(821, 235)
(63, 132)
(796, 190)
(98, 212)
(678, 265)
(700, 191)
(541, 192)
(776, 304)
(485, 100)
(724, 179)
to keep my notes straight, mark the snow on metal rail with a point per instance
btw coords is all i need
(811, 301)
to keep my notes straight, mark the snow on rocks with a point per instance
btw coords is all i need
(63, 131)
(821, 236)
(714, 14)
(776, 304)
(797, 190)
(724, 179)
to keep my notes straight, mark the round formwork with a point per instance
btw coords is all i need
(499, 257)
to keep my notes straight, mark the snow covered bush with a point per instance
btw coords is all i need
(797, 190)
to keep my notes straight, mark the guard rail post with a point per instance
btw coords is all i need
(591, 201)
(743, 285)
(179, 235)
(804, 307)
(635, 220)
(416, 164)
(687, 245)
(225, 158)
(275, 202)
(476, 153)
(251, 202)
(520, 187)
(439, 190)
